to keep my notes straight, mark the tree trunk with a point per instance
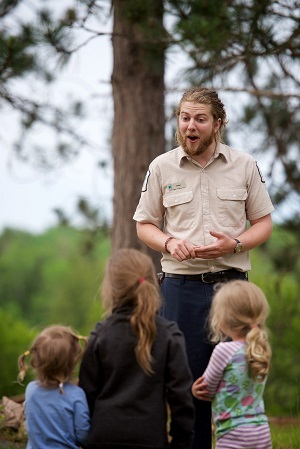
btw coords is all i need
(139, 119)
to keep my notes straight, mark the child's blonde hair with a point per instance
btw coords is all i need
(130, 279)
(242, 307)
(54, 355)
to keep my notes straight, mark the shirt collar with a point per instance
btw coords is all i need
(221, 149)
(181, 155)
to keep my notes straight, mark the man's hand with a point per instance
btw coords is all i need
(181, 249)
(223, 245)
(199, 389)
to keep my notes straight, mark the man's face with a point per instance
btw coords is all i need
(196, 128)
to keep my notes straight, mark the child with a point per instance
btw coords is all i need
(135, 365)
(236, 375)
(56, 411)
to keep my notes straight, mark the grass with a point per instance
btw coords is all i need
(285, 435)
(10, 439)
(7, 445)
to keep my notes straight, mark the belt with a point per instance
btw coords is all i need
(210, 278)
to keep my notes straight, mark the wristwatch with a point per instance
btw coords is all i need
(238, 248)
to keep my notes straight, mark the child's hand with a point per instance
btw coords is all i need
(199, 389)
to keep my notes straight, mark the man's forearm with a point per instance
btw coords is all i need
(259, 232)
(152, 236)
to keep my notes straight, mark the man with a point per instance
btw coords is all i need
(195, 204)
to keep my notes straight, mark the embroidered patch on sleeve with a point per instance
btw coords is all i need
(145, 183)
(260, 173)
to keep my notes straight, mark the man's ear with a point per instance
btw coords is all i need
(217, 124)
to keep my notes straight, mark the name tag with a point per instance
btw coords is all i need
(176, 186)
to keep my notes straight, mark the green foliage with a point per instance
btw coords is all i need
(15, 337)
(284, 252)
(50, 277)
(283, 391)
(280, 283)
(55, 278)
(46, 279)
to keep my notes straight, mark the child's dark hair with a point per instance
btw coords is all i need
(54, 355)
(242, 307)
(130, 279)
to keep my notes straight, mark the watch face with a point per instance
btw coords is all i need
(238, 248)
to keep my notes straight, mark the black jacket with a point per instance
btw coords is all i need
(128, 407)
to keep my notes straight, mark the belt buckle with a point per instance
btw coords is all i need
(209, 281)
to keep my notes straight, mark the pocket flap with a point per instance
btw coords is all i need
(232, 194)
(177, 199)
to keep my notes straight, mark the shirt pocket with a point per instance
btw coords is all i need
(231, 206)
(180, 212)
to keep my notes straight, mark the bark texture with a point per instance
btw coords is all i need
(139, 118)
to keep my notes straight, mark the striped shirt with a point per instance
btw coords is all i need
(237, 400)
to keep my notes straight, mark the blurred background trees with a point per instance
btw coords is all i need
(50, 278)
(247, 50)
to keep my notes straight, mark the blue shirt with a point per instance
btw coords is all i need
(55, 420)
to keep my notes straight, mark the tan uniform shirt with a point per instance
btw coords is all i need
(187, 201)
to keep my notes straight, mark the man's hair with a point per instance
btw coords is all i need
(208, 96)
(130, 279)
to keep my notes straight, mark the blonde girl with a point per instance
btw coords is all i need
(56, 410)
(135, 365)
(236, 375)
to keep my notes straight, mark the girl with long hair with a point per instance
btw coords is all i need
(135, 372)
(235, 377)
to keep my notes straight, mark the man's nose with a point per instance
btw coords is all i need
(191, 124)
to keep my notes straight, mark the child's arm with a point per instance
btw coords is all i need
(199, 389)
(82, 421)
(207, 385)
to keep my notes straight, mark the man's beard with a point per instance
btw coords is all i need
(203, 144)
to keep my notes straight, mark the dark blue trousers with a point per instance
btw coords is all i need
(188, 303)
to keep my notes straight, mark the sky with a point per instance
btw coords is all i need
(28, 196)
